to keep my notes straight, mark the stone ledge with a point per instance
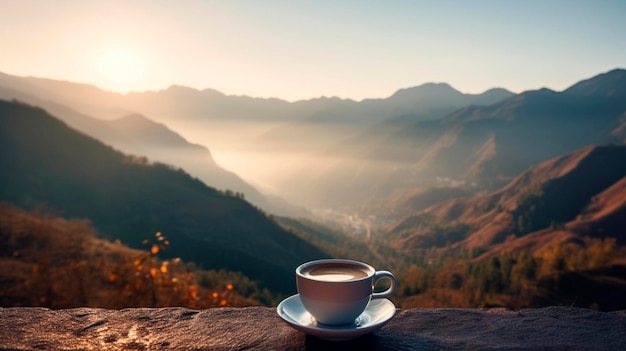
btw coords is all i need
(260, 328)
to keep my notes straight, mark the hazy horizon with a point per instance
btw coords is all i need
(504, 199)
(156, 90)
(305, 50)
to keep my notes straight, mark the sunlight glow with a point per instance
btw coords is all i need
(122, 69)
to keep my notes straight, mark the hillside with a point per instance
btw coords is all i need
(552, 236)
(318, 131)
(324, 152)
(581, 193)
(487, 145)
(138, 135)
(158, 142)
(475, 146)
(52, 262)
(335, 153)
(129, 198)
(295, 138)
(509, 136)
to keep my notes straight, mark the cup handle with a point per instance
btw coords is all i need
(392, 288)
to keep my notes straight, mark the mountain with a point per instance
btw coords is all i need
(294, 138)
(475, 146)
(438, 95)
(342, 121)
(422, 198)
(607, 85)
(334, 154)
(84, 98)
(175, 106)
(158, 142)
(177, 101)
(324, 152)
(507, 137)
(581, 194)
(127, 197)
(136, 134)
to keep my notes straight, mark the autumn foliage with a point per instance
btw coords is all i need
(49, 261)
(521, 279)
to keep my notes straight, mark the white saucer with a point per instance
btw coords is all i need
(376, 315)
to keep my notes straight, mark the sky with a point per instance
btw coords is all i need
(297, 50)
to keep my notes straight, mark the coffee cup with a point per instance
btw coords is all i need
(336, 291)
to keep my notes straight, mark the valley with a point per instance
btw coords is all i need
(475, 200)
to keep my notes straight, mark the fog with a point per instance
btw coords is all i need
(319, 154)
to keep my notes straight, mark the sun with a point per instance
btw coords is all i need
(122, 69)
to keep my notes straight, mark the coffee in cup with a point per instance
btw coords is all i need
(336, 291)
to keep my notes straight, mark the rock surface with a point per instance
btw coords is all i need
(260, 328)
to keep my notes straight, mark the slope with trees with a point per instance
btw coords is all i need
(127, 197)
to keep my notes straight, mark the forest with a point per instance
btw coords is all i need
(57, 263)
(49, 261)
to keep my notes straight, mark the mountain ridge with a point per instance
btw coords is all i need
(133, 138)
(213, 91)
(487, 145)
(252, 119)
(533, 204)
(127, 197)
(330, 148)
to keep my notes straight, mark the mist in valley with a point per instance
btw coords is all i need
(426, 181)
(476, 150)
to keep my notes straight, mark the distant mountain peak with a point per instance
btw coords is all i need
(427, 89)
(491, 96)
(609, 84)
(212, 92)
(175, 91)
(497, 90)
(443, 91)
(176, 87)
(181, 90)
(541, 91)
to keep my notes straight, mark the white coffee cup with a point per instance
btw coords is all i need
(336, 291)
